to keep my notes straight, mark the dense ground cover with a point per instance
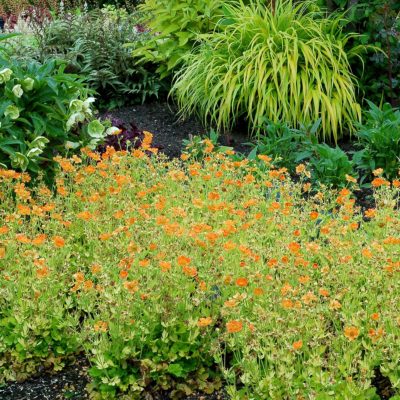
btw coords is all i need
(183, 275)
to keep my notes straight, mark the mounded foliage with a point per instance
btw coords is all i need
(285, 64)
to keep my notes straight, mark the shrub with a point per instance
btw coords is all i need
(379, 142)
(93, 44)
(287, 147)
(172, 275)
(379, 25)
(287, 65)
(43, 112)
(176, 26)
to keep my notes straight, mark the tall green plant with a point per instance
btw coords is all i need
(286, 63)
(176, 25)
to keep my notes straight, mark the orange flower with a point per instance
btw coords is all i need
(100, 326)
(131, 286)
(213, 196)
(20, 237)
(313, 215)
(242, 282)
(39, 239)
(203, 322)
(3, 230)
(105, 236)
(2, 252)
(183, 260)
(294, 247)
(258, 291)
(297, 345)
(375, 316)
(144, 263)
(95, 268)
(123, 274)
(323, 292)
(377, 182)
(351, 332)
(85, 215)
(234, 326)
(165, 266)
(42, 272)
(58, 241)
(190, 271)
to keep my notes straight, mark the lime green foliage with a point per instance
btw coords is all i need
(176, 25)
(287, 65)
(43, 112)
(379, 141)
(177, 275)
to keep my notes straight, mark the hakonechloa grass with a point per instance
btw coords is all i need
(225, 270)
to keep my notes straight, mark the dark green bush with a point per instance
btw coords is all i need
(289, 147)
(379, 142)
(93, 45)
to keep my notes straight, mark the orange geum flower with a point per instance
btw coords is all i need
(335, 305)
(131, 286)
(144, 263)
(4, 230)
(23, 210)
(323, 292)
(313, 215)
(85, 215)
(213, 196)
(118, 214)
(189, 271)
(100, 326)
(377, 182)
(287, 303)
(258, 291)
(105, 236)
(234, 326)
(297, 345)
(294, 247)
(95, 268)
(264, 158)
(165, 266)
(2, 252)
(21, 238)
(351, 332)
(183, 261)
(39, 239)
(304, 279)
(88, 285)
(375, 316)
(242, 282)
(123, 274)
(42, 272)
(378, 172)
(58, 241)
(203, 322)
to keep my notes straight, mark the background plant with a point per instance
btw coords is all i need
(379, 25)
(43, 112)
(176, 25)
(288, 147)
(378, 139)
(93, 45)
(285, 65)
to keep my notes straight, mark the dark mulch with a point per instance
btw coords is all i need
(67, 384)
(169, 130)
